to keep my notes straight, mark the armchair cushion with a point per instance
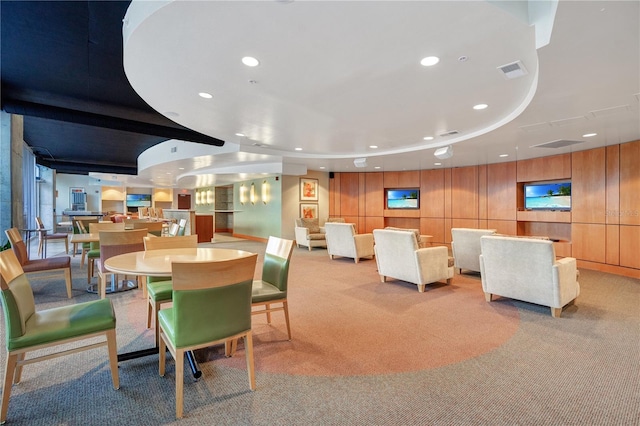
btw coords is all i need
(309, 234)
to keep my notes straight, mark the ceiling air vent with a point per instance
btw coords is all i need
(513, 70)
(449, 133)
(560, 143)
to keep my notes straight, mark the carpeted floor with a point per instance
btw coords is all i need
(365, 352)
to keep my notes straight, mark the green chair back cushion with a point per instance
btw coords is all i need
(19, 306)
(207, 315)
(275, 271)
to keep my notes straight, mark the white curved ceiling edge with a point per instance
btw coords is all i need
(147, 21)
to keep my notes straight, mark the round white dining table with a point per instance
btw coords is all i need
(157, 263)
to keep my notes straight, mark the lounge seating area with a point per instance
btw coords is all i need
(465, 246)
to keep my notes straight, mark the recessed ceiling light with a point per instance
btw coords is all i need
(322, 167)
(504, 155)
(588, 135)
(180, 168)
(437, 164)
(428, 138)
(250, 61)
(373, 146)
(480, 106)
(376, 167)
(429, 61)
(205, 95)
(240, 134)
(298, 149)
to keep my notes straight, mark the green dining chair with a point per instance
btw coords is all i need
(272, 287)
(160, 289)
(211, 305)
(29, 330)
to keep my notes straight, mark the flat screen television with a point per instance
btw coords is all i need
(547, 196)
(402, 198)
(138, 200)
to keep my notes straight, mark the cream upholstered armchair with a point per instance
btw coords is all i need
(342, 240)
(465, 246)
(309, 234)
(526, 269)
(399, 256)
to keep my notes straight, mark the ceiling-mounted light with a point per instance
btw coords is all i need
(589, 135)
(250, 61)
(360, 162)
(504, 155)
(205, 95)
(444, 152)
(429, 61)
(480, 106)
(428, 138)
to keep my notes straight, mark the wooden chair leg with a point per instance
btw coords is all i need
(285, 306)
(66, 245)
(487, 297)
(113, 357)
(556, 312)
(9, 371)
(268, 312)
(179, 362)
(67, 277)
(248, 351)
(421, 288)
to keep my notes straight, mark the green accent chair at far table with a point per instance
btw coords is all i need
(272, 287)
(211, 305)
(28, 330)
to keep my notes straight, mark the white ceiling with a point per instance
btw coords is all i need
(337, 77)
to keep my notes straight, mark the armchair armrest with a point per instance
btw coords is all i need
(565, 275)
(433, 263)
(364, 244)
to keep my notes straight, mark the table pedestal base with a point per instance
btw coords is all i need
(115, 287)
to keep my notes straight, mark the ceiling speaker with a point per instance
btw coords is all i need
(444, 152)
(360, 162)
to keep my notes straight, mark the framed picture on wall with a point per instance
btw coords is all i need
(309, 211)
(308, 189)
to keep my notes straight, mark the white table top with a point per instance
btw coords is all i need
(157, 263)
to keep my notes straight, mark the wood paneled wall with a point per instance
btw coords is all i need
(602, 230)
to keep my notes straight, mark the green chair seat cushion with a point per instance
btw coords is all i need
(160, 291)
(262, 291)
(65, 322)
(93, 254)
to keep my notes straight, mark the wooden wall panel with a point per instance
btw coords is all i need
(371, 223)
(434, 227)
(403, 179)
(483, 212)
(613, 184)
(362, 199)
(336, 202)
(507, 227)
(630, 246)
(432, 193)
(333, 193)
(544, 168)
(588, 186)
(630, 184)
(447, 194)
(349, 186)
(501, 191)
(589, 242)
(464, 192)
(613, 245)
(374, 194)
(403, 222)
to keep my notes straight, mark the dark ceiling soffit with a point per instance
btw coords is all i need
(86, 168)
(98, 120)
